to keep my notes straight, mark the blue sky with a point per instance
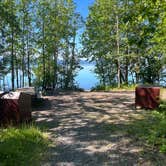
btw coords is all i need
(86, 78)
(82, 6)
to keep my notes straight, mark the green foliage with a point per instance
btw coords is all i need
(123, 37)
(152, 128)
(22, 146)
(58, 60)
(39, 35)
(114, 88)
(17, 34)
(148, 128)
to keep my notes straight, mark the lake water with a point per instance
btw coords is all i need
(86, 78)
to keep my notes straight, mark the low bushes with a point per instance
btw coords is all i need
(22, 146)
(152, 129)
(113, 88)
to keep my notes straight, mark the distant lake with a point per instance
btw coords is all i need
(86, 78)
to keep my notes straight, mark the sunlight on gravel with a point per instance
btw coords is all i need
(92, 129)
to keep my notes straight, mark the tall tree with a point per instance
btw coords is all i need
(123, 33)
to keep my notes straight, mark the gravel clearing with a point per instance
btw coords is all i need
(89, 129)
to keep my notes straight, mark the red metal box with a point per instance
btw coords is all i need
(147, 97)
(15, 108)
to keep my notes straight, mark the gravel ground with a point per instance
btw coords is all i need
(88, 129)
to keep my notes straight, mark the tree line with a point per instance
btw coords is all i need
(125, 38)
(38, 43)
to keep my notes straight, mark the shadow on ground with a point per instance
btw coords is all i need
(92, 129)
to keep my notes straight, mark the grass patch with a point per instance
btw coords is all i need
(114, 88)
(22, 146)
(152, 129)
(125, 87)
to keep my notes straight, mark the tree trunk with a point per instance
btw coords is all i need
(43, 57)
(122, 77)
(103, 74)
(17, 80)
(55, 68)
(12, 59)
(70, 75)
(29, 71)
(133, 82)
(28, 54)
(23, 55)
(137, 77)
(126, 71)
(66, 65)
(20, 80)
(4, 83)
(117, 45)
(126, 74)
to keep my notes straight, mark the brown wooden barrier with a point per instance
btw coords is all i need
(9, 112)
(147, 97)
(15, 108)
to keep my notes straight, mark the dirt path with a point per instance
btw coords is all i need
(88, 130)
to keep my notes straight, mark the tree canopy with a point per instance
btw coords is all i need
(125, 38)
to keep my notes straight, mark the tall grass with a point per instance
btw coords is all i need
(114, 88)
(22, 146)
(152, 129)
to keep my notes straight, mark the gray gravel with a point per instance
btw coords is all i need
(87, 130)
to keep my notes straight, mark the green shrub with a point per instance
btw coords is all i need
(113, 87)
(152, 128)
(98, 87)
(22, 146)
